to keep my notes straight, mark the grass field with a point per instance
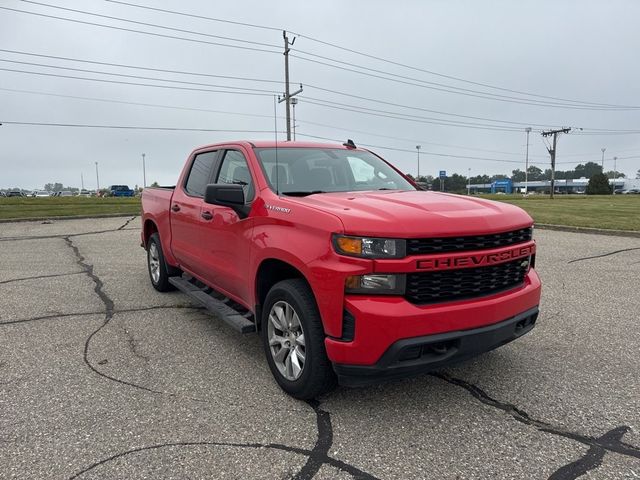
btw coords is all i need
(28, 207)
(617, 212)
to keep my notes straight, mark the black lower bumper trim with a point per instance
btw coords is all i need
(413, 356)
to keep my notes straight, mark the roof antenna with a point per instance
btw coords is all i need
(349, 144)
(275, 132)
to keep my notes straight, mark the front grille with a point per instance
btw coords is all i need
(421, 246)
(449, 285)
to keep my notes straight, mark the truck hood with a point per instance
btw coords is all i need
(412, 214)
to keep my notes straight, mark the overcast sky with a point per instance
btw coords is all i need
(583, 51)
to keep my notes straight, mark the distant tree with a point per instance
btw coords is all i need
(425, 178)
(517, 175)
(53, 187)
(407, 174)
(638, 174)
(155, 184)
(455, 183)
(498, 176)
(587, 170)
(535, 173)
(480, 179)
(610, 174)
(598, 185)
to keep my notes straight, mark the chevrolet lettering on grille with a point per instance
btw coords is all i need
(477, 260)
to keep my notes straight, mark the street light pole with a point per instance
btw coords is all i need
(526, 164)
(613, 184)
(97, 180)
(603, 150)
(144, 173)
(418, 149)
(469, 181)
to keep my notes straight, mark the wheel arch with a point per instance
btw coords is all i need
(271, 271)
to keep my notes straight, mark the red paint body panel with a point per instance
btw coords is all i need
(226, 251)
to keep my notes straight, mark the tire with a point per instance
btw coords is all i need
(316, 375)
(159, 271)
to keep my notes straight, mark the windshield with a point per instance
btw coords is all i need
(302, 171)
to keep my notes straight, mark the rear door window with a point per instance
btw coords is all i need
(235, 170)
(200, 173)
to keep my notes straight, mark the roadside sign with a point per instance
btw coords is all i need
(443, 174)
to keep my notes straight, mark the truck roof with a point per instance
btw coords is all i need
(280, 144)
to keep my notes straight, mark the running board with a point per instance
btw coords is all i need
(232, 317)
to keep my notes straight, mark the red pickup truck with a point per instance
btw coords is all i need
(348, 270)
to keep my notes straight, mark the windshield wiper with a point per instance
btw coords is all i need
(302, 193)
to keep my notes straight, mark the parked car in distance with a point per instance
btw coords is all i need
(40, 193)
(65, 193)
(121, 191)
(15, 193)
(631, 191)
(86, 193)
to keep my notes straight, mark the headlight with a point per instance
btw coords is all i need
(367, 247)
(376, 284)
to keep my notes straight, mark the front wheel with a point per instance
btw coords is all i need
(293, 340)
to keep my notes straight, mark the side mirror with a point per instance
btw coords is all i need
(227, 195)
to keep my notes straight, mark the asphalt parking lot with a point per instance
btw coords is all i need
(103, 377)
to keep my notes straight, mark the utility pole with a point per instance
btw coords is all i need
(81, 181)
(552, 153)
(288, 96)
(97, 180)
(469, 181)
(613, 184)
(294, 102)
(418, 147)
(603, 150)
(526, 164)
(144, 173)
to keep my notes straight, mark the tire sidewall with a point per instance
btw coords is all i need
(163, 282)
(283, 291)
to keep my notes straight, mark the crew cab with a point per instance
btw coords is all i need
(345, 268)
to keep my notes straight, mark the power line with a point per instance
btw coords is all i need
(202, 17)
(133, 127)
(154, 25)
(374, 57)
(161, 35)
(425, 84)
(164, 70)
(369, 99)
(403, 116)
(122, 102)
(413, 151)
(120, 82)
(139, 77)
(459, 79)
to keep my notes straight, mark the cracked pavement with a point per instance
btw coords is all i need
(103, 377)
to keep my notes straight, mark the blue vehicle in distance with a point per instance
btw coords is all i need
(120, 191)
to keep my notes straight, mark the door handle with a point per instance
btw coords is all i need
(206, 215)
(175, 207)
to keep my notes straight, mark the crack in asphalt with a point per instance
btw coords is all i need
(608, 442)
(591, 460)
(98, 312)
(39, 276)
(133, 345)
(317, 456)
(604, 254)
(66, 235)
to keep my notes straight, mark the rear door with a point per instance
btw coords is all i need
(186, 209)
(226, 238)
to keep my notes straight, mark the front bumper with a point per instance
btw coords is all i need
(412, 356)
(381, 321)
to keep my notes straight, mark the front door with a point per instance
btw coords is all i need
(226, 236)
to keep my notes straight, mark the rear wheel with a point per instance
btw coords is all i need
(159, 271)
(293, 340)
